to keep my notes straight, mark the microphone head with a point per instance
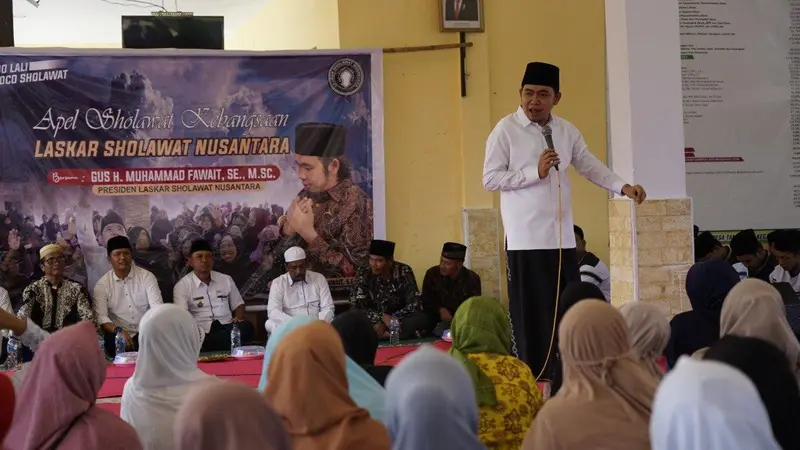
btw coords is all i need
(547, 131)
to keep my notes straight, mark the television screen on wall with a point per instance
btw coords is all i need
(197, 32)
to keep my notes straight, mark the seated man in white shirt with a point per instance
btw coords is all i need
(591, 268)
(787, 252)
(298, 292)
(213, 299)
(123, 295)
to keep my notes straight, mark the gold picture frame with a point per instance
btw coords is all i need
(461, 16)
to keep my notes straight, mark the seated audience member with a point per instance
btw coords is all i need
(592, 269)
(54, 302)
(787, 253)
(431, 404)
(60, 394)
(708, 405)
(7, 404)
(298, 292)
(360, 342)
(228, 416)
(309, 391)
(771, 237)
(574, 292)
(766, 366)
(649, 330)
(749, 251)
(707, 247)
(447, 286)
(791, 302)
(123, 295)
(363, 388)
(508, 398)
(388, 288)
(606, 390)
(213, 300)
(166, 369)
(707, 285)
(753, 308)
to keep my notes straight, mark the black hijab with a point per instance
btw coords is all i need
(707, 285)
(360, 342)
(767, 367)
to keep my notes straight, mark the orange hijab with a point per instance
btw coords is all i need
(308, 390)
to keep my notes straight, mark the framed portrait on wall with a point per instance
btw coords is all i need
(461, 15)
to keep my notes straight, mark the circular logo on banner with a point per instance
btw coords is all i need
(345, 77)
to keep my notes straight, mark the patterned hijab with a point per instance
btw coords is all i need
(431, 404)
(606, 390)
(308, 390)
(365, 391)
(649, 330)
(228, 416)
(480, 325)
(60, 389)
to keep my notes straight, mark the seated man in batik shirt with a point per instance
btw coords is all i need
(446, 286)
(54, 302)
(389, 289)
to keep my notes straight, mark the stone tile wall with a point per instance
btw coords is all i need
(652, 246)
(481, 235)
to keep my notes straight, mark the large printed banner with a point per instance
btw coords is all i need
(254, 152)
(741, 103)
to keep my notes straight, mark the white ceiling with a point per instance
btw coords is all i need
(67, 22)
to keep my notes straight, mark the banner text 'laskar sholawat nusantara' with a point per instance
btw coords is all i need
(254, 152)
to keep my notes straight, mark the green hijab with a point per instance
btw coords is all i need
(480, 325)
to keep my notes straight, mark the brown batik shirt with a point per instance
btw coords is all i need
(376, 296)
(343, 222)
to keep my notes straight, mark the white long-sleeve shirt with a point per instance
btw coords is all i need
(5, 305)
(529, 205)
(124, 302)
(288, 298)
(208, 302)
(780, 275)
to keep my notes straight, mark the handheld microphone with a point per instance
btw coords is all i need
(548, 137)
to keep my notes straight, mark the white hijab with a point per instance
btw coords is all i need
(708, 405)
(169, 343)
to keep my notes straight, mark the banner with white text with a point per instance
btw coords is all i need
(253, 152)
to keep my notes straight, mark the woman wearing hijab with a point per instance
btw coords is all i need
(166, 369)
(431, 404)
(308, 389)
(508, 398)
(228, 416)
(360, 342)
(606, 398)
(755, 309)
(7, 399)
(707, 285)
(707, 405)
(59, 395)
(364, 390)
(649, 332)
(573, 293)
(768, 369)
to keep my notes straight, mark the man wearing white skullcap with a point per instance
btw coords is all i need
(298, 292)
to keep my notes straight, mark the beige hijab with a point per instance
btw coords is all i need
(649, 330)
(753, 308)
(606, 391)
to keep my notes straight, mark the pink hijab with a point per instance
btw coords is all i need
(56, 405)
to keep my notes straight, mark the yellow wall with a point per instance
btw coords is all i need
(434, 139)
(288, 25)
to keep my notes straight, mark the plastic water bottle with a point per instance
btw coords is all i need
(102, 340)
(119, 342)
(12, 350)
(236, 338)
(394, 331)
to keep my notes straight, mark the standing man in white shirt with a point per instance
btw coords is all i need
(533, 192)
(213, 300)
(298, 292)
(123, 295)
